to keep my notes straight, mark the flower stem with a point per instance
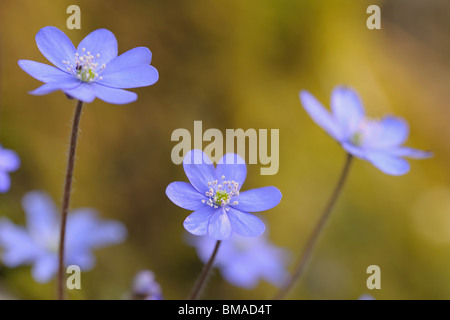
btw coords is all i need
(204, 275)
(66, 196)
(316, 232)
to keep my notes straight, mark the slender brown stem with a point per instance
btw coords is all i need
(204, 275)
(316, 232)
(66, 196)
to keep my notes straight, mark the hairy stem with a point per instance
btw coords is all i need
(298, 271)
(66, 196)
(205, 273)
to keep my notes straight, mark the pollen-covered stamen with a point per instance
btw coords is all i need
(85, 67)
(220, 195)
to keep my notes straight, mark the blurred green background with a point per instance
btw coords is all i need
(241, 64)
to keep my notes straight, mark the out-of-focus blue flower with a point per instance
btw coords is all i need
(38, 243)
(378, 141)
(91, 70)
(145, 286)
(9, 161)
(220, 208)
(366, 297)
(243, 261)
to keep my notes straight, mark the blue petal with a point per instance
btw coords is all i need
(100, 41)
(85, 231)
(411, 153)
(197, 222)
(354, 150)
(42, 216)
(134, 57)
(273, 260)
(144, 283)
(18, 247)
(9, 160)
(131, 77)
(320, 115)
(199, 170)
(245, 224)
(240, 275)
(389, 132)
(220, 226)
(205, 246)
(83, 259)
(256, 200)
(55, 46)
(233, 167)
(108, 232)
(45, 268)
(66, 83)
(387, 163)
(347, 109)
(5, 182)
(184, 195)
(84, 92)
(113, 95)
(42, 72)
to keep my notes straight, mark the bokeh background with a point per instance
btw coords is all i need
(241, 64)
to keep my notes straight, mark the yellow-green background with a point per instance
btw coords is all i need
(241, 64)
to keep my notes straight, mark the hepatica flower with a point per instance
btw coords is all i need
(145, 286)
(377, 141)
(9, 161)
(220, 208)
(38, 242)
(92, 70)
(243, 261)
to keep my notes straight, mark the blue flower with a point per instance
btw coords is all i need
(9, 161)
(220, 208)
(378, 141)
(366, 297)
(93, 69)
(145, 286)
(38, 243)
(244, 261)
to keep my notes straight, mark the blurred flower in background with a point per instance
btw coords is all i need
(366, 296)
(378, 141)
(214, 193)
(145, 287)
(93, 69)
(9, 161)
(244, 261)
(38, 243)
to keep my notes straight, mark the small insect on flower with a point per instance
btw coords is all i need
(220, 207)
(38, 243)
(377, 141)
(93, 70)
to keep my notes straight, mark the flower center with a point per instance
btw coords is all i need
(220, 195)
(49, 241)
(53, 245)
(364, 130)
(356, 138)
(86, 67)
